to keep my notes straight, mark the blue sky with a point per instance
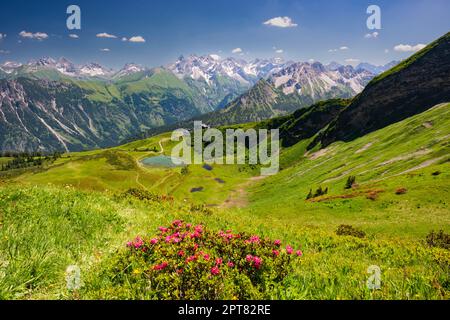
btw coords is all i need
(323, 28)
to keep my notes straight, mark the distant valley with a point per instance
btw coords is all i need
(55, 105)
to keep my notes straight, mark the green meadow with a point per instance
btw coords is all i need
(75, 211)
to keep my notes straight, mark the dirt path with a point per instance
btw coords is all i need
(138, 183)
(161, 146)
(239, 197)
(141, 167)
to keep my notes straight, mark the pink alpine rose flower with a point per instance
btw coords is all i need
(257, 261)
(215, 271)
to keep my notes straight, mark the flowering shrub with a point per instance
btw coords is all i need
(184, 261)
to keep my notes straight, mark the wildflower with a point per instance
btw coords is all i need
(136, 272)
(138, 242)
(198, 229)
(219, 261)
(191, 258)
(181, 253)
(196, 234)
(176, 240)
(195, 246)
(163, 230)
(179, 271)
(161, 266)
(230, 264)
(277, 243)
(257, 262)
(177, 223)
(276, 253)
(299, 253)
(206, 257)
(154, 241)
(289, 250)
(249, 258)
(188, 226)
(215, 271)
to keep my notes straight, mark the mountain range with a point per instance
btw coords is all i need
(50, 104)
(411, 87)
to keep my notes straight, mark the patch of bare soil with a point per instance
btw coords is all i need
(428, 124)
(416, 154)
(367, 146)
(239, 197)
(318, 154)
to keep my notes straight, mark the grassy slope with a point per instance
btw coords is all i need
(118, 169)
(45, 229)
(383, 161)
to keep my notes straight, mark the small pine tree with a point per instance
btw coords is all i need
(350, 182)
(184, 171)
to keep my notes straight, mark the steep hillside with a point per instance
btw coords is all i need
(306, 122)
(263, 101)
(294, 87)
(401, 180)
(411, 87)
(73, 115)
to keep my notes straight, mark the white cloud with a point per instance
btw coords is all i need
(409, 48)
(2, 36)
(236, 50)
(124, 39)
(281, 22)
(73, 36)
(279, 51)
(372, 35)
(137, 39)
(105, 50)
(311, 60)
(106, 35)
(386, 51)
(341, 48)
(36, 35)
(215, 56)
(4, 52)
(352, 61)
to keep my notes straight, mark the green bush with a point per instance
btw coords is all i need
(141, 194)
(190, 262)
(319, 192)
(350, 182)
(438, 239)
(347, 230)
